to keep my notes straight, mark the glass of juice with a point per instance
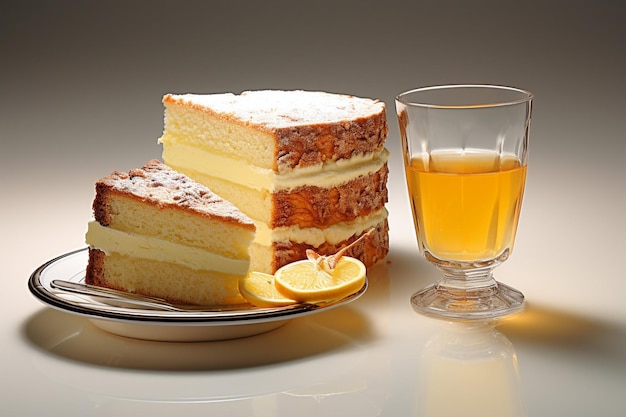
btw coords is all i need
(465, 151)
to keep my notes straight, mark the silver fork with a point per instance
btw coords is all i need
(131, 298)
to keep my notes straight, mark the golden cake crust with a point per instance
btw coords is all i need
(94, 274)
(315, 144)
(312, 206)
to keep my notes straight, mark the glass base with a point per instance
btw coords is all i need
(491, 303)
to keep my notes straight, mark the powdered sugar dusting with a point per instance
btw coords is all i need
(280, 109)
(161, 185)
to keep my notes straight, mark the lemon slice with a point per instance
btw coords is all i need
(259, 290)
(310, 281)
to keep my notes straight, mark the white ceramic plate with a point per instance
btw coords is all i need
(144, 323)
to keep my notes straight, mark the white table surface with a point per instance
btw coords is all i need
(367, 358)
(64, 126)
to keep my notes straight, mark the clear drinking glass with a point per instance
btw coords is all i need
(465, 155)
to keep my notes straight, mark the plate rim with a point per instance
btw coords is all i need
(191, 317)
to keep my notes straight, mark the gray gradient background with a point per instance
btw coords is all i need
(82, 82)
(81, 86)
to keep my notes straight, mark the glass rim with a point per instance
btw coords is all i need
(524, 96)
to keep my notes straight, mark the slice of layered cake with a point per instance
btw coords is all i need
(159, 233)
(310, 168)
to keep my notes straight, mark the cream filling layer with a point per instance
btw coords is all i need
(328, 174)
(334, 234)
(111, 240)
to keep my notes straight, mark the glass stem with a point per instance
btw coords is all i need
(467, 283)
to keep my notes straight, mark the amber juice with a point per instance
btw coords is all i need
(466, 205)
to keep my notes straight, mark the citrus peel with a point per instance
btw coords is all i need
(309, 282)
(259, 290)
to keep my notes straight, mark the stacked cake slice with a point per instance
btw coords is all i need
(159, 233)
(309, 168)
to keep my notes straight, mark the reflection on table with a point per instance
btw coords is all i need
(469, 370)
